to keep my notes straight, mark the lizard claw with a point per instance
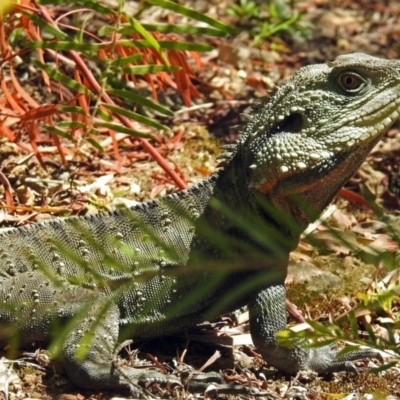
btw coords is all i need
(325, 360)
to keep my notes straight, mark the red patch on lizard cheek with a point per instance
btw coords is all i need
(292, 185)
(267, 186)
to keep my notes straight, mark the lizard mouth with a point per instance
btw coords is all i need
(372, 120)
(379, 125)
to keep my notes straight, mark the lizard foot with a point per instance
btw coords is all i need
(268, 316)
(325, 360)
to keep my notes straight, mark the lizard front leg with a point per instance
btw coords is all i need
(268, 316)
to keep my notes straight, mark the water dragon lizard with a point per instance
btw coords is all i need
(190, 256)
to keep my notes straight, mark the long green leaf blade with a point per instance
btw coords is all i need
(135, 116)
(95, 144)
(59, 132)
(169, 5)
(166, 44)
(120, 62)
(65, 80)
(137, 99)
(149, 69)
(93, 5)
(182, 29)
(67, 45)
(73, 109)
(124, 129)
(150, 39)
(47, 27)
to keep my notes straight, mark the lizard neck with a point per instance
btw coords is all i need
(240, 213)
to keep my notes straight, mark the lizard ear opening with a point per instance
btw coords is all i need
(292, 123)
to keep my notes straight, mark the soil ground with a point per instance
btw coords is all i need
(232, 77)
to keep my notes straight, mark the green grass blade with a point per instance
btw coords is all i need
(183, 29)
(65, 80)
(67, 45)
(72, 124)
(58, 132)
(135, 116)
(150, 39)
(93, 5)
(149, 69)
(124, 129)
(169, 5)
(137, 99)
(166, 44)
(95, 144)
(47, 27)
(120, 62)
(73, 109)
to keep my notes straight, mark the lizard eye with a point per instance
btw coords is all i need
(351, 82)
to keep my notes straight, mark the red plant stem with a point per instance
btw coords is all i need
(125, 121)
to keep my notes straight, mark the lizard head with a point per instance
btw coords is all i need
(317, 129)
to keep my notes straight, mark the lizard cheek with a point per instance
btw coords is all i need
(267, 186)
